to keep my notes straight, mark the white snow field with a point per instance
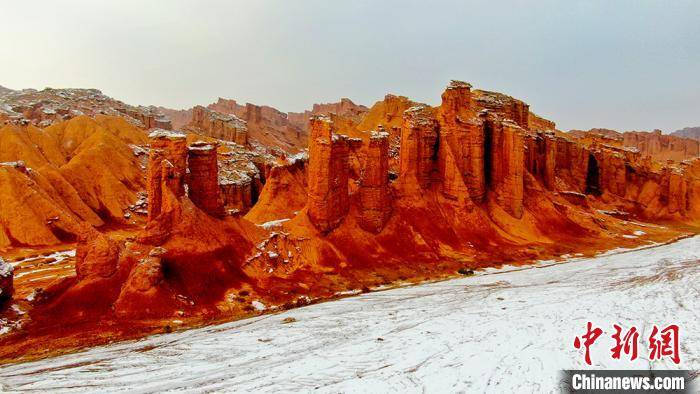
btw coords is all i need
(493, 332)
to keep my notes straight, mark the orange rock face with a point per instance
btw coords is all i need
(62, 173)
(328, 175)
(655, 145)
(375, 199)
(662, 147)
(572, 164)
(96, 256)
(418, 157)
(481, 181)
(167, 166)
(505, 144)
(266, 125)
(540, 157)
(219, 126)
(463, 135)
(505, 106)
(203, 181)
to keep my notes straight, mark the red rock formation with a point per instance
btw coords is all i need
(6, 282)
(538, 123)
(463, 134)
(505, 106)
(328, 202)
(167, 164)
(540, 157)
(345, 108)
(49, 106)
(203, 181)
(657, 146)
(375, 200)
(418, 157)
(190, 266)
(688, 132)
(662, 147)
(613, 171)
(691, 173)
(505, 144)
(266, 125)
(572, 164)
(220, 126)
(96, 256)
(237, 196)
(387, 113)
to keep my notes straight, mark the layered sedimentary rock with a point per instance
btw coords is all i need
(387, 113)
(538, 123)
(572, 164)
(463, 134)
(167, 166)
(220, 126)
(505, 147)
(237, 196)
(6, 282)
(266, 125)
(504, 106)
(49, 106)
(688, 132)
(61, 172)
(96, 256)
(345, 108)
(662, 147)
(375, 200)
(655, 145)
(613, 171)
(419, 135)
(328, 201)
(540, 157)
(203, 180)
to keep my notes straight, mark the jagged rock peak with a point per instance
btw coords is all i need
(455, 84)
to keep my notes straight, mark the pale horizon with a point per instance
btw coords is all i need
(625, 66)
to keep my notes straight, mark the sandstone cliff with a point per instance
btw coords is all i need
(688, 132)
(657, 146)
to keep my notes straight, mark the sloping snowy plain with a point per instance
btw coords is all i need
(495, 332)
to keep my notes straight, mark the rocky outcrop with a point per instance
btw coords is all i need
(48, 106)
(345, 108)
(62, 173)
(203, 179)
(328, 201)
(688, 132)
(662, 147)
(655, 145)
(167, 166)
(96, 256)
(6, 282)
(613, 170)
(504, 106)
(418, 156)
(540, 157)
(142, 289)
(572, 164)
(237, 196)
(463, 134)
(375, 200)
(505, 147)
(266, 125)
(220, 126)
(538, 123)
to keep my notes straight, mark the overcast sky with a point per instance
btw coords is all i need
(628, 65)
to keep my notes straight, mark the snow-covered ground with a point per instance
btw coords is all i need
(496, 333)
